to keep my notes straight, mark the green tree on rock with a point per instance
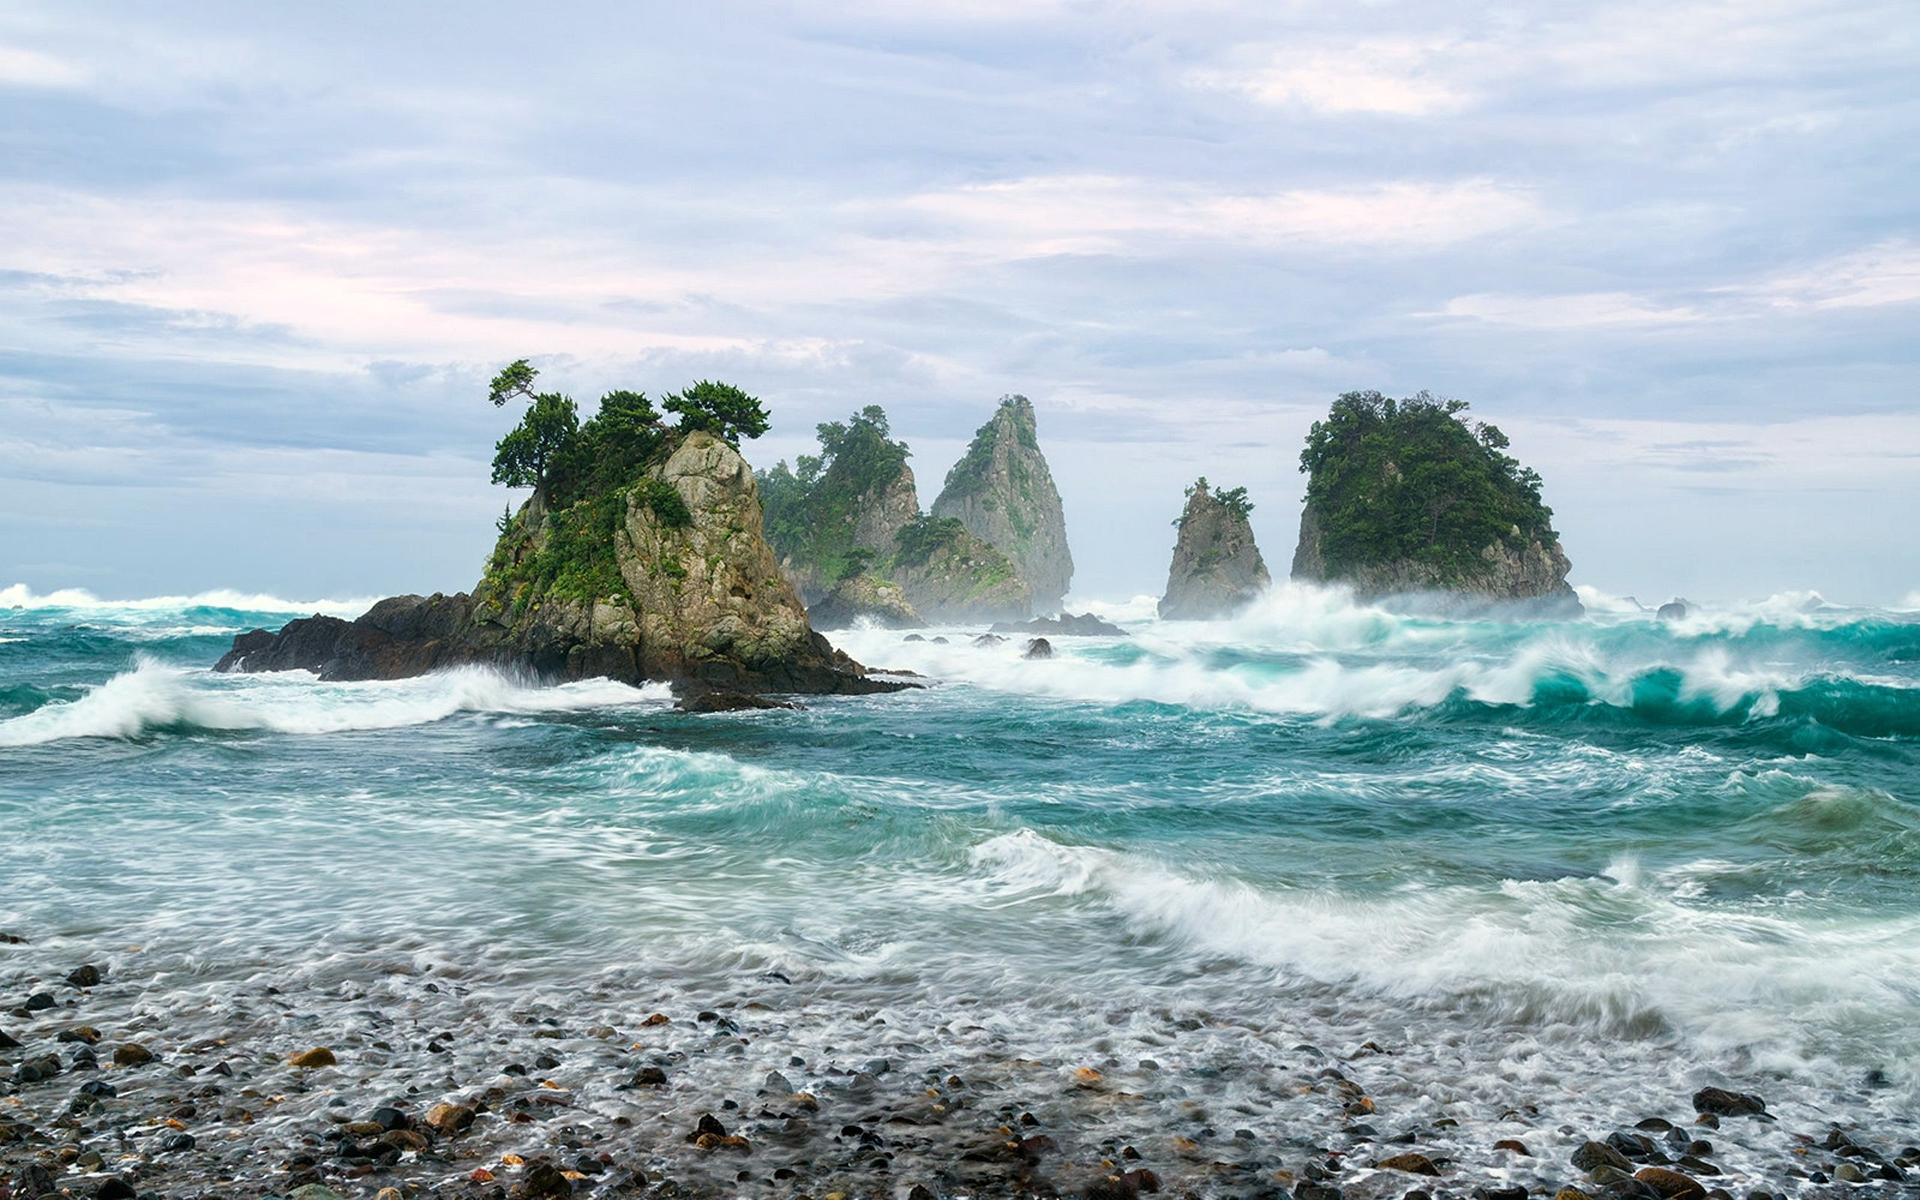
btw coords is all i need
(525, 456)
(720, 409)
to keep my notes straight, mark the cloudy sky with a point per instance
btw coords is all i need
(258, 262)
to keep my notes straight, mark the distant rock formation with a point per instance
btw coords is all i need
(1003, 494)
(849, 532)
(1217, 569)
(667, 578)
(1406, 496)
(1064, 625)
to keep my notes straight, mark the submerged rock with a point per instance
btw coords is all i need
(1673, 610)
(1217, 569)
(1722, 1103)
(718, 702)
(1039, 648)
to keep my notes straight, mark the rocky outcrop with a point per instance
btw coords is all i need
(1409, 496)
(848, 528)
(952, 577)
(1510, 568)
(687, 592)
(1216, 568)
(1064, 625)
(864, 598)
(1003, 494)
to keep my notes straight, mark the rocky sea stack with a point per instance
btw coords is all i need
(639, 557)
(1002, 493)
(848, 529)
(1217, 569)
(1407, 496)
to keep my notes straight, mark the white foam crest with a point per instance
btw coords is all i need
(19, 595)
(1621, 953)
(152, 696)
(1177, 671)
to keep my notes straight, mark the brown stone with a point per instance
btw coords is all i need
(131, 1054)
(1412, 1164)
(449, 1120)
(1514, 1147)
(1671, 1184)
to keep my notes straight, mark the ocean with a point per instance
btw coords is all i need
(1530, 879)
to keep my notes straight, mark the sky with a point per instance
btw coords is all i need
(257, 263)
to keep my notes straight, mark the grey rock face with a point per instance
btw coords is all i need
(1513, 569)
(1004, 494)
(1216, 568)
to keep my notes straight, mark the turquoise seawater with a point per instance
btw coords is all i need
(1574, 861)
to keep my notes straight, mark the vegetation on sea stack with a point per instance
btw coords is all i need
(585, 476)
(811, 508)
(1413, 481)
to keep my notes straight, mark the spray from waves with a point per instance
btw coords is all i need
(152, 697)
(1565, 674)
(1621, 953)
(20, 596)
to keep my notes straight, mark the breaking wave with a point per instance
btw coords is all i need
(153, 698)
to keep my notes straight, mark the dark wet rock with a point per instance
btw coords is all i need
(1671, 1185)
(37, 1070)
(389, 1118)
(131, 1054)
(1513, 1146)
(1412, 1164)
(115, 1188)
(1633, 1145)
(7, 1041)
(100, 1088)
(1722, 1103)
(988, 639)
(85, 977)
(1316, 1191)
(83, 1034)
(1039, 648)
(914, 637)
(719, 702)
(39, 1002)
(33, 1181)
(649, 1077)
(1065, 625)
(543, 1179)
(1499, 1193)
(1600, 1154)
(1672, 610)
(177, 1142)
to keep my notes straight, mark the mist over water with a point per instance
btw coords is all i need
(1533, 854)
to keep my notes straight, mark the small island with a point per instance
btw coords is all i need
(1217, 569)
(639, 557)
(1407, 496)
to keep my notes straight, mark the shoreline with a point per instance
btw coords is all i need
(436, 1083)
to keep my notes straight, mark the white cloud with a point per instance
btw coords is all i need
(1391, 76)
(1101, 214)
(1590, 310)
(1888, 273)
(21, 67)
